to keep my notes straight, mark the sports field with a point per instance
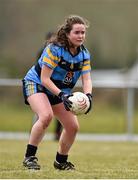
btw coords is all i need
(104, 118)
(92, 160)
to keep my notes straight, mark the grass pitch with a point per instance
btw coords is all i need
(19, 119)
(92, 160)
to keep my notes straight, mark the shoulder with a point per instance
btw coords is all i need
(86, 52)
(53, 48)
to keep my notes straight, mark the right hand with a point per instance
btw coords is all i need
(64, 97)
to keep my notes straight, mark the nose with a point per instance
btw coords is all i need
(80, 35)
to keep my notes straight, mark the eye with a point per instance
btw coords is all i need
(77, 32)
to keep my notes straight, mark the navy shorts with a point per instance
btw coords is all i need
(30, 87)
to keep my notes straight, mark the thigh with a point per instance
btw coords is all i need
(39, 103)
(66, 118)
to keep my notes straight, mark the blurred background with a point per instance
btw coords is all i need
(112, 40)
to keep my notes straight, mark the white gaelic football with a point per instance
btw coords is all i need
(80, 103)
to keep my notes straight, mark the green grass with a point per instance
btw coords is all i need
(104, 118)
(92, 160)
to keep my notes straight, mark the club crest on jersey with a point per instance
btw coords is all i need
(68, 78)
(71, 66)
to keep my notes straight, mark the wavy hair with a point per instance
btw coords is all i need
(60, 37)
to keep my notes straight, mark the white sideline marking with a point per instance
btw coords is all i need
(80, 137)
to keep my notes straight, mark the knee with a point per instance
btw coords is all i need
(45, 119)
(73, 128)
(76, 128)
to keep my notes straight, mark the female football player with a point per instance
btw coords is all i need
(49, 83)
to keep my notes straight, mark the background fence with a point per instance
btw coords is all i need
(107, 80)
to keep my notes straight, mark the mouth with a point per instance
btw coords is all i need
(79, 41)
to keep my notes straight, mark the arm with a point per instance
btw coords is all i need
(87, 83)
(87, 88)
(46, 81)
(50, 61)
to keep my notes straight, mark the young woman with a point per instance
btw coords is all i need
(48, 84)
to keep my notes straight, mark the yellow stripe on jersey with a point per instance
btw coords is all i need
(86, 65)
(86, 68)
(50, 62)
(55, 58)
(31, 88)
(86, 62)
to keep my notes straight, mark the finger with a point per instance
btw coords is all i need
(68, 104)
(68, 101)
(67, 108)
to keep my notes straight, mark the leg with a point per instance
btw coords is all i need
(35, 118)
(41, 106)
(70, 125)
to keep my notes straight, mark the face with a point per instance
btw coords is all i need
(77, 34)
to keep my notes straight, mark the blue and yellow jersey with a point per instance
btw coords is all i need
(66, 67)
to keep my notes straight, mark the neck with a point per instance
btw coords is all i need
(73, 50)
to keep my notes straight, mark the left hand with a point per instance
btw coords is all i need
(90, 100)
